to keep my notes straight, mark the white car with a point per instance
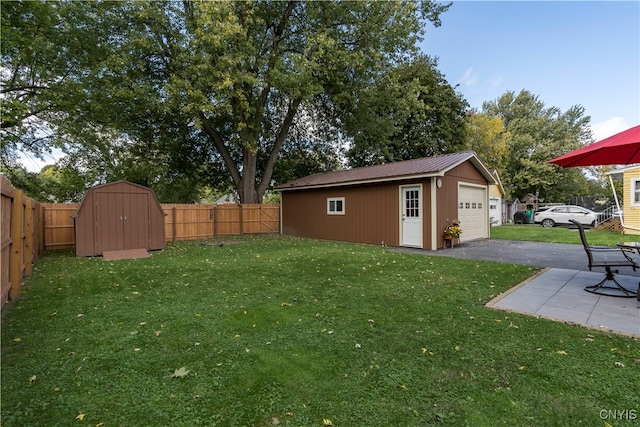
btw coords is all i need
(562, 214)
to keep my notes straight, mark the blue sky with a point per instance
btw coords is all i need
(567, 53)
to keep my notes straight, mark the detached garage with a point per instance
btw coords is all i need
(120, 216)
(397, 204)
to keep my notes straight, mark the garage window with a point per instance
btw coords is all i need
(335, 206)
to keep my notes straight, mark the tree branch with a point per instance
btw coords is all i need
(22, 88)
(222, 149)
(277, 146)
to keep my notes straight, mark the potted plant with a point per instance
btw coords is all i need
(453, 231)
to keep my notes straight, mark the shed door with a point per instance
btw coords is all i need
(121, 221)
(411, 212)
(472, 212)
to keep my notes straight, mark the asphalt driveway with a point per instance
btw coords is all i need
(553, 255)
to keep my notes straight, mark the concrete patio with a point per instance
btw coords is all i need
(558, 294)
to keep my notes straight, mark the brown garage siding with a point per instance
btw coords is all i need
(447, 207)
(371, 213)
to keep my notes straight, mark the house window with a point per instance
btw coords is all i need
(635, 192)
(335, 206)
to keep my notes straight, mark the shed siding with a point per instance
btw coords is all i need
(119, 216)
(85, 227)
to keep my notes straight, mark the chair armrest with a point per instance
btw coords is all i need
(608, 249)
(604, 249)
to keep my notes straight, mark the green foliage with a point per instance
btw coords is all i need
(220, 85)
(488, 138)
(46, 49)
(534, 135)
(300, 331)
(51, 184)
(409, 112)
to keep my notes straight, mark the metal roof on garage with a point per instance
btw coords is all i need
(416, 168)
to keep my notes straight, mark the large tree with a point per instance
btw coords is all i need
(535, 134)
(409, 112)
(224, 83)
(46, 48)
(488, 138)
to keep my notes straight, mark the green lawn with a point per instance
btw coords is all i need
(275, 330)
(537, 233)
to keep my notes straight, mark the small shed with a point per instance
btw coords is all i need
(119, 216)
(406, 203)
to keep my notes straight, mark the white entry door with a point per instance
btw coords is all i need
(411, 211)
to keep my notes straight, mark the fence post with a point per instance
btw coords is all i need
(175, 225)
(215, 221)
(241, 219)
(16, 246)
(28, 237)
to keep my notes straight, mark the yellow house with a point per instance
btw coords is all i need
(497, 211)
(630, 198)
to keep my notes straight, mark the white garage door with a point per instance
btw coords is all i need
(472, 212)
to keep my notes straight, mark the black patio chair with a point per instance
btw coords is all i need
(597, 256)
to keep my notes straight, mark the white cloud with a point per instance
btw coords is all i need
(468, 78)
(608, 127)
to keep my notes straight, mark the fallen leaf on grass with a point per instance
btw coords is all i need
(80, 417)
(32, 379)
(326, 422)
(620, 364)
(562, 352)
(179, 373)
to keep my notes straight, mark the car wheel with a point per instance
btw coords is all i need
(593, 224)
(548, 223)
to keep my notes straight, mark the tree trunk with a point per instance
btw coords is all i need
(247, 186)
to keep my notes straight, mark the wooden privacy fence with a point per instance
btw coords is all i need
(182, 221)
(22, 238)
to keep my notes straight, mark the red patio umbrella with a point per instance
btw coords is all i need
(620, 149)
